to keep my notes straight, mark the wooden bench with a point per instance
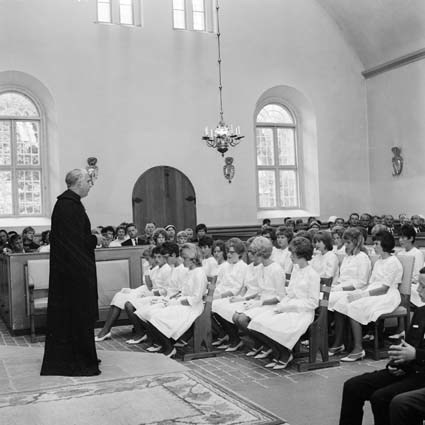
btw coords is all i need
(318, 335)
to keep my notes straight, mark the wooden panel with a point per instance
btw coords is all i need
(125, 269)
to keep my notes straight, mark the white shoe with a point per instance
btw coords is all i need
(220, 341)
(171, 354)
(103, 338)
(154, 348)
(263, 354)
(133, 341)
(235, 348)
(282, 364)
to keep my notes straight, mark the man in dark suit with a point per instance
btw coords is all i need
(133, 239)
(404, 373)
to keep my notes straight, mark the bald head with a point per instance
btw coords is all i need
(78, 180)
(74, 176)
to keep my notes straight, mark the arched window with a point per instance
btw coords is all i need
(277, 163)
(20, 156)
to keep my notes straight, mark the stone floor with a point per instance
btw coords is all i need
(301, 398)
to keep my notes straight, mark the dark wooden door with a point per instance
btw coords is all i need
(166, 196)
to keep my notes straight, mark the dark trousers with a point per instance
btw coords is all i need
(379, 388)
(229, 328)
(408, 408)
(279, 352)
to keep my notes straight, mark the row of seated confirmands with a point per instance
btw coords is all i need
(252, 297)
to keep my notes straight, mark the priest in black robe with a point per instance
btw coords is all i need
(72, 308)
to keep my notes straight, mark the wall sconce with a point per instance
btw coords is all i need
(229, 169)
(397, 161)
(92, 168)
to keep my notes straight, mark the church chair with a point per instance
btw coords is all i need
(318, 335)
(401, 312)
(37, 287)
(202, 329)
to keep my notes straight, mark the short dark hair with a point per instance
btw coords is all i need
(325, 237)
(302, 248)
(219, 243)
(157, 250)
(201, 226)
(267, 221)
(269, 230)
(285, 231)
(386, 239)
(170, 248)
(422, 270)
(303, 234)
(108, 229)
(206, 241)
(408, 231)
(130, 225)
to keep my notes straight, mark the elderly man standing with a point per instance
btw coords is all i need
(72, 307)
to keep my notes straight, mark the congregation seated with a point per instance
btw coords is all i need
(133, 238)
(28, 240)
(16, 245)
(201, 230)
(4, 240)
(159, 236)
(364, 305)
(396, 393)
(182, 237)
(171, 232)
(120, 237)
(337, 234)
(45, 241)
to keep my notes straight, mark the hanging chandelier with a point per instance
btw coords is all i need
(223, 136)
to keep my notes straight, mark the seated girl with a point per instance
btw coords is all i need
(209, 263)
(379, 297)
(156, 276)
(177, 316)
(338, 241)
(159, 236)
(281, 328)
(407, 243)
(325, 262)
(353, 275)
(281, 254)
(228, 307)
(271, 290)
(140, 310)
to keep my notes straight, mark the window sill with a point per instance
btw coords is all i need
(20, 222)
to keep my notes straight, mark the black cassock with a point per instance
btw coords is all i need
(72, 305)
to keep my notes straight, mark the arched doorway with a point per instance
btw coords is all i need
(166, 196)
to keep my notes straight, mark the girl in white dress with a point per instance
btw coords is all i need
(209, 263)
(230, 281)
(325, 262)
(281, 254)
(126, 294)
(249, 291)
(337, 233)
(407, 240)
(172, 321)
(271, 288)
(281, 328)
(379, 297)
(353, 275)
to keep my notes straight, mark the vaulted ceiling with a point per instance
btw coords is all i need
(380, 30)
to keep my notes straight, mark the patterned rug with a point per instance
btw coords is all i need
(174, 398)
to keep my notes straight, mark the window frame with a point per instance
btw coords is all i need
(41, 119)
(276, 167)
(132, 14)
(210, 25)
(110, 11)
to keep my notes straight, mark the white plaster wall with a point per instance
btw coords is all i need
(141, 97)
(396, 109)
